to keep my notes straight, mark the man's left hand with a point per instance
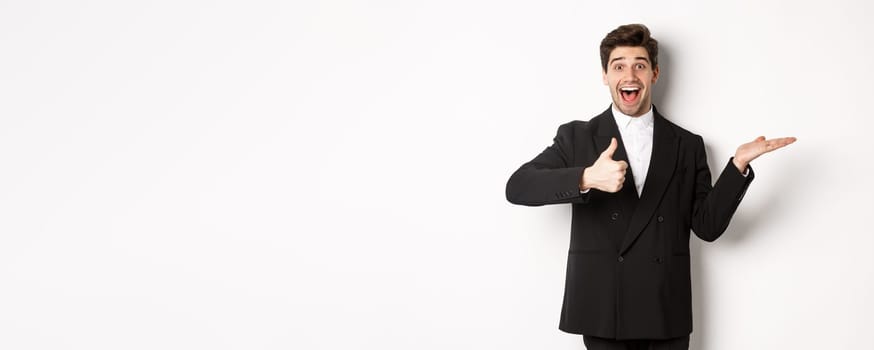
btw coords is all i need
(752, 150)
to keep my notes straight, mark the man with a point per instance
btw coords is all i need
(637, 183)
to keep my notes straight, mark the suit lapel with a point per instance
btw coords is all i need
(662, 167)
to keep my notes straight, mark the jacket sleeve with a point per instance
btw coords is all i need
(715, 205)
(550, 177)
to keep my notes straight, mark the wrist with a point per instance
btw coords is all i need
(740, 164)
(584, 186)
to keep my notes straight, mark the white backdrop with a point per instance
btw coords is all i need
(330, 174)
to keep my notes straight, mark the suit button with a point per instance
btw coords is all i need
(621, 259)
(658, 260)
(661, 218)
(614, 216)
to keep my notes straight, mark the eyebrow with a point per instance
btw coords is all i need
(637, 58)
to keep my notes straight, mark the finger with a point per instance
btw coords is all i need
(779, 143)
(610, 149)
(759, 139)
(622, 165)
(784, 140)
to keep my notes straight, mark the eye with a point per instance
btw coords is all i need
(640, 66)
(617, 67)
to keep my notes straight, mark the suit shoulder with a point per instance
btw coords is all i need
(680, 131)
(575, 127)
(583, 128)
(586, 126)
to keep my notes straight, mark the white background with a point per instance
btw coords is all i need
(330, 174)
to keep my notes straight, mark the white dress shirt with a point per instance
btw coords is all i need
(637, 136)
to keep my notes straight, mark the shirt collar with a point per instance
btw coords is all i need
(623, 121)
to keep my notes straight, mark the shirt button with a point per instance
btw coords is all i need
(620, 258)
(661, 218)
(614, 216)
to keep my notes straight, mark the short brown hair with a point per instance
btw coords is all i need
(629, 35)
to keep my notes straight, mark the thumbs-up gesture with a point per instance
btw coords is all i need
(606, 174)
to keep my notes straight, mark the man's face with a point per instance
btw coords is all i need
(630, 77)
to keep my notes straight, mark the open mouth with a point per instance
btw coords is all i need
(629, 94)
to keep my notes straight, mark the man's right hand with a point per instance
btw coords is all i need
(606, 174)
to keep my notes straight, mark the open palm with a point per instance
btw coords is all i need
(752, 150)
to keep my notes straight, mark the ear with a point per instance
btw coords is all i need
(655, 74)
(604, 77)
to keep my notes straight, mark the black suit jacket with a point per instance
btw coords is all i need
(628, 274)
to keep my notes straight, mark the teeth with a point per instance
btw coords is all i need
(629, 89)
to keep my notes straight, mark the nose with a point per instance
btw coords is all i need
(628, 75)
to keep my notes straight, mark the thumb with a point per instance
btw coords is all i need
(608, 153)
